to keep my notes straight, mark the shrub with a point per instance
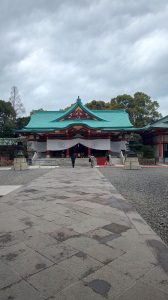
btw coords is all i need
(148, 151)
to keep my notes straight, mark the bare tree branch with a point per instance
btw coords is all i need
(16, 102)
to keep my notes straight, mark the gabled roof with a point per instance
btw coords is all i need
(162, 123)
(80, 105)
(46, 121)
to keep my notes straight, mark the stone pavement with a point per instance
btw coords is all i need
(5, 189)
(69, 235)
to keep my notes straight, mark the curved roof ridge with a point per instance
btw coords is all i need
(83, 107)
(110, 110)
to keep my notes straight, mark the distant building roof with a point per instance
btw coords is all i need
(162, 123)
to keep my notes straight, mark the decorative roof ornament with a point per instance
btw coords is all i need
(78, 100)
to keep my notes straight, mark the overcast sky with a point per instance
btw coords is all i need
(55, 50)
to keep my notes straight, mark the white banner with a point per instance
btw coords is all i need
(99, 144)
(57, 145)
(118, 146)
(37, 146)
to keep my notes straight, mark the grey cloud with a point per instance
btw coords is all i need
(56, 50)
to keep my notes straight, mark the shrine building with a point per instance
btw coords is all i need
(58, 134)
(79, 130)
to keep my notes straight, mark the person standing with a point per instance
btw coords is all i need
(73, 157)
(92, 160)
(110, 160)
(107, 159)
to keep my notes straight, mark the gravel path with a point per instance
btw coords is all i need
(10, 177)
(147, 190)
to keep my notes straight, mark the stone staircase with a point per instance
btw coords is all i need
(60, 162)
(67, 161)
(116, 161)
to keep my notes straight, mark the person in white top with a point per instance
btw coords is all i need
(92, 160)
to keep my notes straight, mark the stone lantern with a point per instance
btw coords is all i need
(20, 162)
(131, 162)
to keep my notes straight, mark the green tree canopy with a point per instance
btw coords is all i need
(36, 110)
(98, 105)
(141, 108)
(7, 119)
(22, 122)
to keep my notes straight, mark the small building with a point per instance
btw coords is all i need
(156, 134)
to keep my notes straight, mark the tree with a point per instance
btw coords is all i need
(146, 110)
(122, 101)
(22, 122)
(97, 105)
(141, 109)
(16, 102)
(7, 119)
(35, 111)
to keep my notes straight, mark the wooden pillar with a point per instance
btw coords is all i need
(47, 151)
(67, 152)
(160, 146)
(110, 150)
(89, 149)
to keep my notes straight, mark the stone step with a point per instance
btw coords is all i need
(67, 161)
(116, 161)
(60, 162)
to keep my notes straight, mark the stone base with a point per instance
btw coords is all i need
(132, 163)
(20, 164)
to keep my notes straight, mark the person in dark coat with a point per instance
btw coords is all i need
(107, 159)
(73, 157)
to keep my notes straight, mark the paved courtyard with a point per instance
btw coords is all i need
(69, 235)
(11, 177)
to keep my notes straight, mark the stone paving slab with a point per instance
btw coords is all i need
(140, 290)
(24, 260)
(70, 235)
(5, 189)
(20, 291)
(77, 290)
(52, 280)
(8, 276)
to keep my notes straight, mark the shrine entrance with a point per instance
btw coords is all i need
(80, 150)
(83, 151)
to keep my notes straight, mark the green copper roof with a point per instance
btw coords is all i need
(84, 108)
(43, 121)
(162, 123)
